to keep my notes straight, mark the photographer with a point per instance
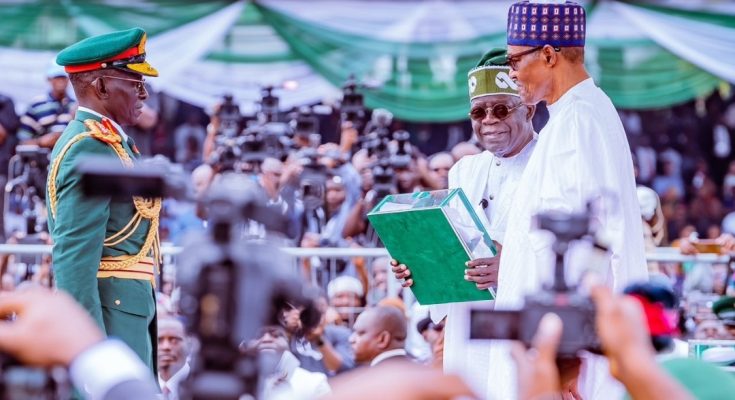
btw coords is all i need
(325, 348)
(224, 116)
(9, 123)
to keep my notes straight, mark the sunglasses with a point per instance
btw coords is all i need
(499, 111)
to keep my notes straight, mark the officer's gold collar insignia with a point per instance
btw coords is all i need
(103, 131)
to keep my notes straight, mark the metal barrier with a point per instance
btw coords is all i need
(662, 254)
(326, 259)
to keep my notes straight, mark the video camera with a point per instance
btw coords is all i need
(231, 287)
(243, 150)
(305, 128)
(392, 151)
(352, 106)
(229, 117)
(19, 382)
(576, 311)
(313, 180)
(269, 104)
(26, 188)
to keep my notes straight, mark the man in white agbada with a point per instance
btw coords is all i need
(582, 154)
(503, 127)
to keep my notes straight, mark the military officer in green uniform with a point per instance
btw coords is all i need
(105, 251)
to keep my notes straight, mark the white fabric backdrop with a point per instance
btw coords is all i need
(710, 47)
(179, 53)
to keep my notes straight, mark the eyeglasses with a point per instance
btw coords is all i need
(514, 59)
(139, 83)
(499, 111)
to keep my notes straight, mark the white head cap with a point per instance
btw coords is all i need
(345, 284)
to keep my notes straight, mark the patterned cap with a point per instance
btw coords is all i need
(122, 50)
(491, 76)
(538, 24)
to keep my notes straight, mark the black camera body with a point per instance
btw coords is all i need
(401, 158)
(269, 104)
(384, 179)
(577, 313)
(313, 180)
(352, 106)
(229, 117)
(227, 153)
(19, 382)
(576, 310)
(231, 288)
(33, 163)
(244, 150)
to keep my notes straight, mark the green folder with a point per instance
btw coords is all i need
(422, 231)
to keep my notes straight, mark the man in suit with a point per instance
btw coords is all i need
(173, 350)
(379, 336)
(106, 250)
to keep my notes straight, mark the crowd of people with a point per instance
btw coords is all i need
(684, 188)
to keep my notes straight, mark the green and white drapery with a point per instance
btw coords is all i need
(171, 47)
(414, 54)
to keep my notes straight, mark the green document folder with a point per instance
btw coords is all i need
(422, 231)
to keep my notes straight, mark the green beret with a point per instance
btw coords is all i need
(491, 76)
(724, 308)
(122, 50)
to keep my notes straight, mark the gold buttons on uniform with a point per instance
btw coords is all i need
(117, 302)
(497, 163)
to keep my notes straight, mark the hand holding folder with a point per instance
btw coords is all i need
(435, 234)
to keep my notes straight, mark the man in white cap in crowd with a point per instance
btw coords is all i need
(346, 295)
(582, 155)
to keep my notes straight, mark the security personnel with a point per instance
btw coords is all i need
(106, 251)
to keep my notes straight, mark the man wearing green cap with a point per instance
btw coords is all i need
(105, 250)
(502, 125)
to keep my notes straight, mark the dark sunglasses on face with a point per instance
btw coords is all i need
(499, 111)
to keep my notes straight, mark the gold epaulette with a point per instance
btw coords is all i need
(148, 209)
(103, 131)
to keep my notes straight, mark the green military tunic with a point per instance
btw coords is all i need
(86, 230)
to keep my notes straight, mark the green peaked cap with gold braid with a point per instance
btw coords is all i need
(491, 76)
(122, 50)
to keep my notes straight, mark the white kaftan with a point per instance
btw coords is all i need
(481, 176)
(582, 154)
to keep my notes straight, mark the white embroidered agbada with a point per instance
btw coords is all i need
(481, 176)
(581, 153)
